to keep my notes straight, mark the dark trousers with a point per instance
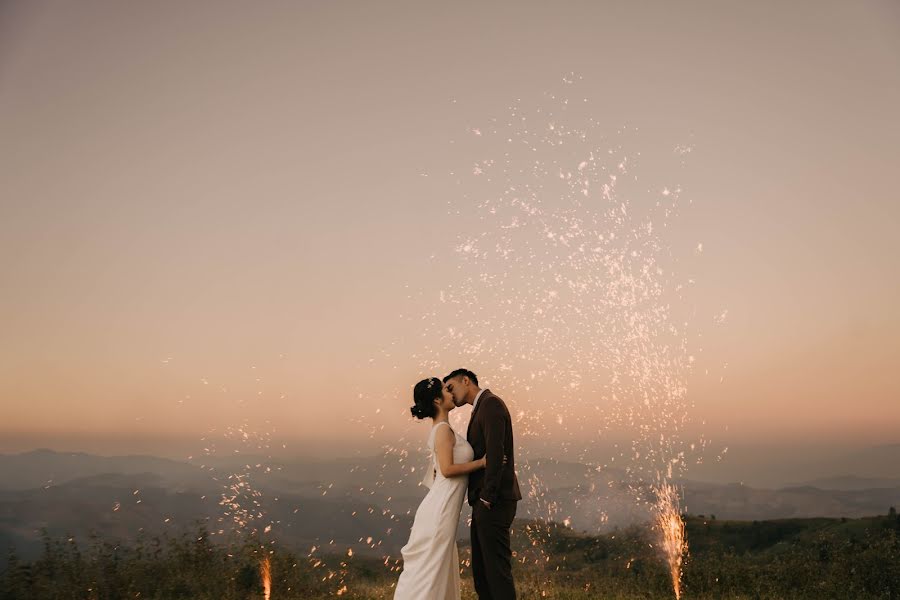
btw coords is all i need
(491, 551)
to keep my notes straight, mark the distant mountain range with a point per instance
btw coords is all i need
(851, 483)
(366, 504)
(41, 468)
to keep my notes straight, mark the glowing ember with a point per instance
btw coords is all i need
(668, 520)
(265, 569)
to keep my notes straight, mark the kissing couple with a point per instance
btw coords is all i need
(431, 557)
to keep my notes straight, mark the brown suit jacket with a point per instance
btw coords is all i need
(490, 434)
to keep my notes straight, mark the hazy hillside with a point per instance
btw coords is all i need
(851, 482)
(40, 468)
(744, 503)
(365, 503)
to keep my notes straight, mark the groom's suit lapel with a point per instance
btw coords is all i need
(475, 412)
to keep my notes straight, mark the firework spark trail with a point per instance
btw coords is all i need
(565, 280)
(244, 511)
(671, 529)
(584, 282)
(265, 570)
(242, 505)
(239, 457)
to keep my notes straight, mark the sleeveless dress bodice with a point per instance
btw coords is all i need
(462, 453)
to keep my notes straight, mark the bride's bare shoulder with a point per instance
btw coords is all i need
(444, 433)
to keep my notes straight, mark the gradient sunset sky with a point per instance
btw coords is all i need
(214, 211)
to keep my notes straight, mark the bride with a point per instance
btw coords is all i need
(431, 557)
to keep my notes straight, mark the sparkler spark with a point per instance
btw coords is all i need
(671, 528)
(265, 570)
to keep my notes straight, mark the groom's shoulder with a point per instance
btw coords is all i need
(491, 397)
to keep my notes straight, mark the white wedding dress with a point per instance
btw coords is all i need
(430, 557)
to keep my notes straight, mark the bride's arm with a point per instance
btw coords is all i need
(443, 445)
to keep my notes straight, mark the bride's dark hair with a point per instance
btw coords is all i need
(425, 393)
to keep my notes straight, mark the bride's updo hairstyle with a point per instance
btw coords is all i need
(425, 393)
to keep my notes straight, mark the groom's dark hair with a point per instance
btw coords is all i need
(459, 372)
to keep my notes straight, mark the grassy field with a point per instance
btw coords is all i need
(791, 558)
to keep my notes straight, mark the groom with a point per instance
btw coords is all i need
(493, 491)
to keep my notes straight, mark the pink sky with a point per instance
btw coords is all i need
(234, 193)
